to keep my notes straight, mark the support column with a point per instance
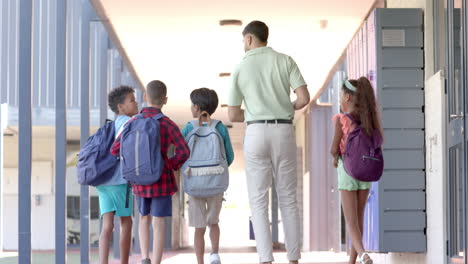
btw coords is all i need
(60, 132)
(3, 125)
(84, 125)
(25, 132)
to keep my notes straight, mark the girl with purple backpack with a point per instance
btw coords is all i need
(359, 119)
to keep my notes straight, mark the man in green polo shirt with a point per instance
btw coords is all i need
(263, 82)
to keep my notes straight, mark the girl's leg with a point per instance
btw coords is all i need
(362, 201)
(125, 238)
(144, 234)
(199, 243)
(349, 202)
(104, 239)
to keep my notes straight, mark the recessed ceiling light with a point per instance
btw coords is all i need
(225, 74)
(230, 22)
(323, 24)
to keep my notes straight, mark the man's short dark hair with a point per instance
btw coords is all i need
(155, 92)
(258, 29)
(117, 96)
(206, 99)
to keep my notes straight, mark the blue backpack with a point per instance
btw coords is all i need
(95, 163)
(140, 150)
(206, 172)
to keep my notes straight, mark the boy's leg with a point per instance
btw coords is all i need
(214, 237)
(144, 208)
(199, 243)
(214, 209)
(197, 218)
(159, 233)
(104, 239)
(144, 234)
(214, 205)
(160, 207)
(125, 238)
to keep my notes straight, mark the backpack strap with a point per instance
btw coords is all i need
(158, 116)
(214, 123)
(350, 117)
(194, 123)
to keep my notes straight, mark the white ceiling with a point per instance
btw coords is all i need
(181, 43)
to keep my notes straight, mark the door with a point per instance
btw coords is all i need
(456, 140)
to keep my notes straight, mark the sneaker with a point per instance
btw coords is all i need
(215, 259)
(146, 261)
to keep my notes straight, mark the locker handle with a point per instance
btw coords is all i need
(455, 116)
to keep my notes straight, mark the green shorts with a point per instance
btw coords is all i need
(112, 198)
(348, 183)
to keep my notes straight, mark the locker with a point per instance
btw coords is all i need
(395, 218)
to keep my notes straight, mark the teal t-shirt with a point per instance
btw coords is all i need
(117, 179)
(223, 131)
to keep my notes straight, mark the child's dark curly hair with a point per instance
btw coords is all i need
(117, 96)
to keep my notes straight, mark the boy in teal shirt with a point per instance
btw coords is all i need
(113, 193)
(204, 211)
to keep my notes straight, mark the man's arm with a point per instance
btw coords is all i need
(236, 114)
(303, 97)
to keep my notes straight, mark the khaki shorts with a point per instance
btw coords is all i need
(204, 211)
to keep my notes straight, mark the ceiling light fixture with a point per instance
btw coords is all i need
(230, 22)
(323, 24)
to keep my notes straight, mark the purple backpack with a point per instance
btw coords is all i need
(363, 159)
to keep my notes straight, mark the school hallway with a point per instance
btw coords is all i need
(59, 60)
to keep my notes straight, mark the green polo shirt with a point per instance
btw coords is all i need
(263, 81)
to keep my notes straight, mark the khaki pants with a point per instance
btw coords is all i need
(270, 151)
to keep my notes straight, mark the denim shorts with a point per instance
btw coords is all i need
(348, 183)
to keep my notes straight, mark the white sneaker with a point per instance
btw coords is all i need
(215, 259)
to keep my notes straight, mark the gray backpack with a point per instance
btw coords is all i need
(206, 171)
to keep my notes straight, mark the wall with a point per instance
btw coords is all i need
(43, 211)
(42, 206)
(322, 226)
(406, 3)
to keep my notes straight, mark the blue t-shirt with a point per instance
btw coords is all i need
(223, 131)
(117, 179)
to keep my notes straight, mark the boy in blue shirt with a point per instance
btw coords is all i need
(113, 193)
(204, 211)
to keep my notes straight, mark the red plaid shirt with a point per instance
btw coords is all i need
(170, 134)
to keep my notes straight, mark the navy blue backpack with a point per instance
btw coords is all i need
(140, 150)
(95, 163)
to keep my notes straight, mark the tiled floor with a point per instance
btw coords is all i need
(247, 256)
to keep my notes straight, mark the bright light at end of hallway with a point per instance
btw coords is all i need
(182, 43)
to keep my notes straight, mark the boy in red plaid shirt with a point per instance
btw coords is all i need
(155, 200)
